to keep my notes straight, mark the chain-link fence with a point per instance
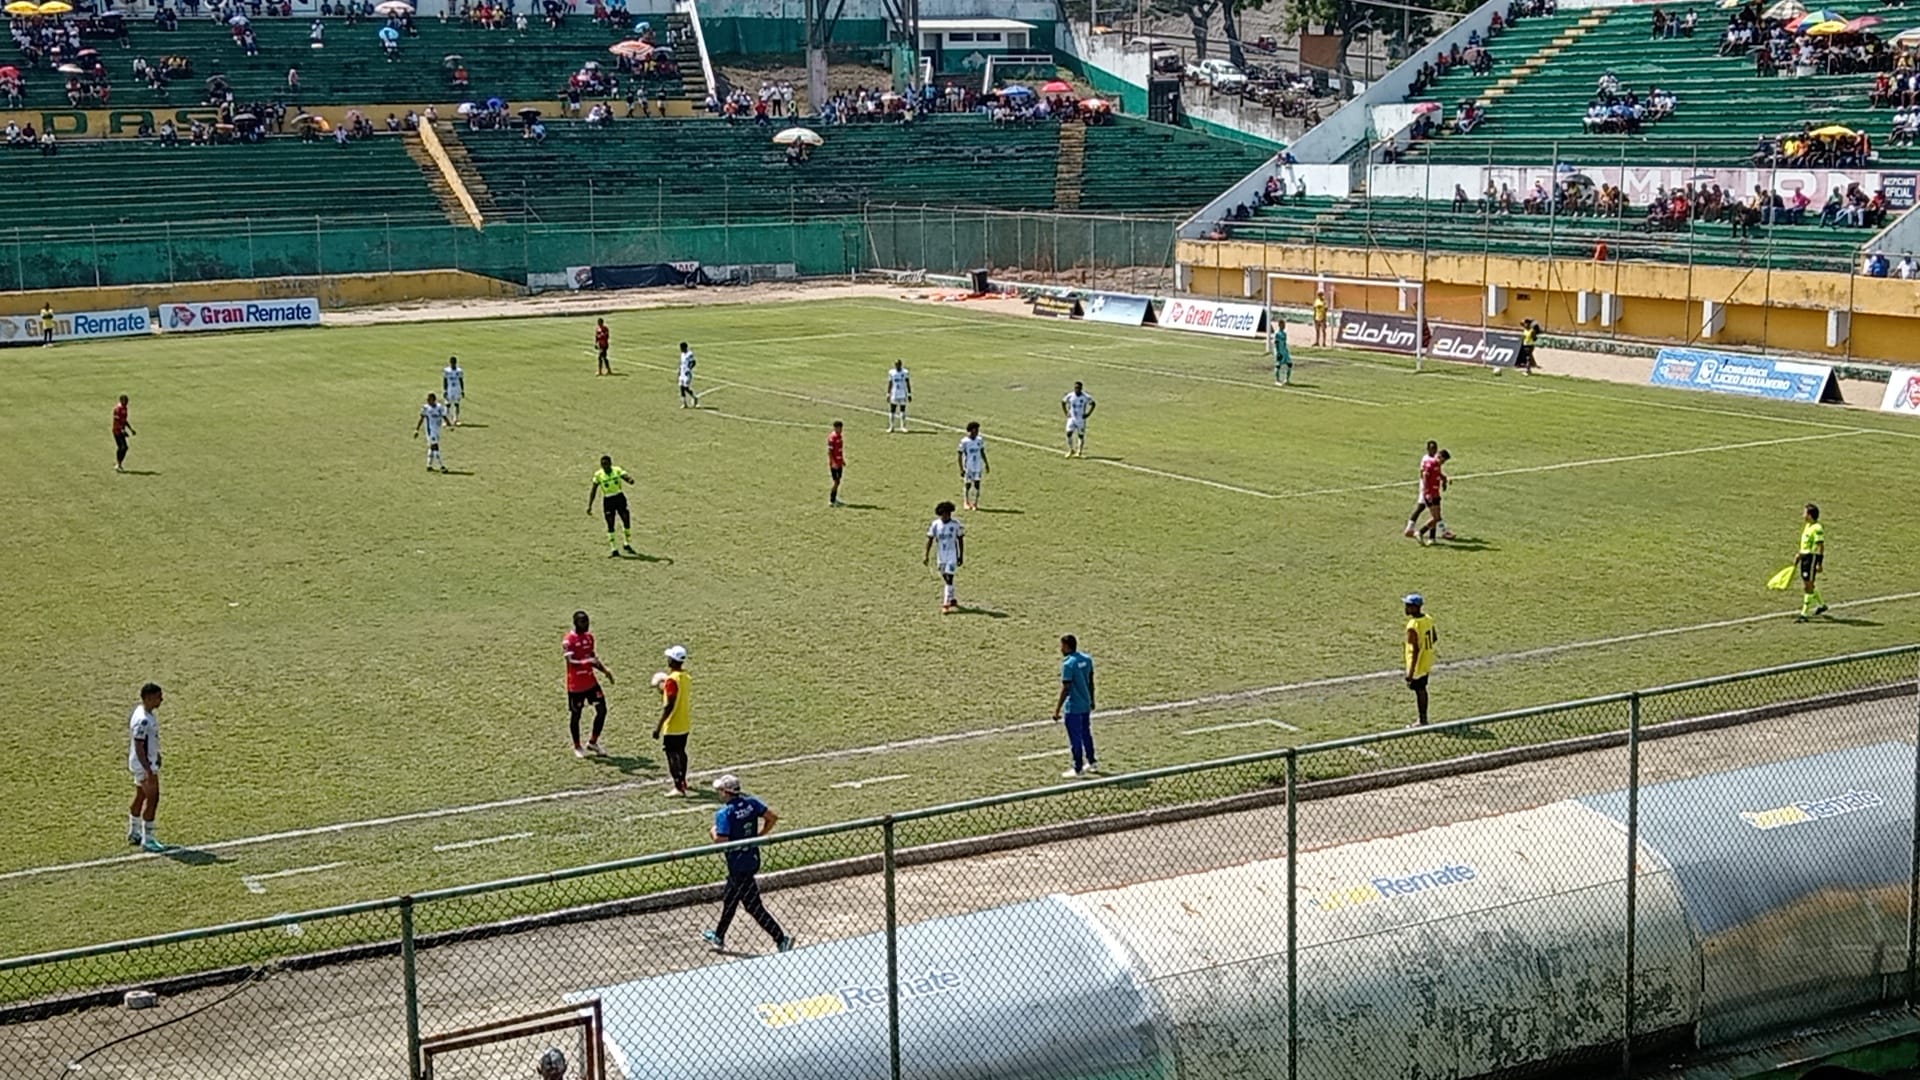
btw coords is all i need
(1690, 865)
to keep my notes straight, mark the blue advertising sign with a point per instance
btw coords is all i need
(1118, 308)
(1750, 376)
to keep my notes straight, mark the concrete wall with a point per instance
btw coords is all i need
(1781, 310)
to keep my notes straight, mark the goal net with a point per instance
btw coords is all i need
(559, 1044)
(1386, 314)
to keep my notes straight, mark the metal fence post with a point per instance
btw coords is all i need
(96, 255)
(1293, 918)
(1913, 874)
(170, 277)
(407, 975)
(1633, 877)
(893, 949)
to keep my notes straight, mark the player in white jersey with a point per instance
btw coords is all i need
(973, 466)
(433, 416)
(143, 761)
(453, 380)
(951, 537)
(687, 396)
(1078, 406)
(899, 392)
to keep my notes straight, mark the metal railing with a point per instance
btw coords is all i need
(350, 991)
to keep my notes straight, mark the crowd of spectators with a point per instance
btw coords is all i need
(1833, 146)
(1614, 111)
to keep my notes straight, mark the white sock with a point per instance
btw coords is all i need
(949, 594)
(1440, 526)
(133, 823)
(146, 829)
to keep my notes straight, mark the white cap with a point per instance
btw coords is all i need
(729, 782)
(677, 654)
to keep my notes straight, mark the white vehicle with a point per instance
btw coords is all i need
(1219, 74)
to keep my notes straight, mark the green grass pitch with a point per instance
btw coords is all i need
(344, 636)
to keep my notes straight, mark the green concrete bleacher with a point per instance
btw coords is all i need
(1724, 106)
(351, 68)
(1134, 166)
(1415, 225)
(711, 167)
(139, 182)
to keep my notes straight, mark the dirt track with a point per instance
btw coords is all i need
(347, 1021)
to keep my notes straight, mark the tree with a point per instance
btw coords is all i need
(1230, 12)
(1356, 18)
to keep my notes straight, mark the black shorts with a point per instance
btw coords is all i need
(1809, 566)
(674, 744)
(1419, 683)
(614, 504)
(120, 442)
(1526, 355)
(592, 695)
(1432, 504)
(835, 471)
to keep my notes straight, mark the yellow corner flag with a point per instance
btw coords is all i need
(1782, 579)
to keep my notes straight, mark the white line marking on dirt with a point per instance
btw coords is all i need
(1042, 754)
(1586, 463)
(858, 784)
(921, 742)
(462, 845)
(1236, 727)
(253, 881)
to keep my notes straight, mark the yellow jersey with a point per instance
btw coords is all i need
(610, 483)
(680, 720)
(1422, 628)
(1319, 311)
(1813, 537)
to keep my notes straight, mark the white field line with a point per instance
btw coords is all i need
(924, 741)
(1038, 755)
(666, 813)
(1586, 463)
(462, 845)
(253, 881)
(1239, 726)
(1191, 377)
(858, 784)
(756, 419)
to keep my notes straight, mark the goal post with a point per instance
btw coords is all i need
(566, 1043)
(1409, 295)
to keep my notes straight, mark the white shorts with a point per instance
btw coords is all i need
(971, 476)
(1076, 426)
(454, 396)
(140, 775)
(948, 568)
(897, 399)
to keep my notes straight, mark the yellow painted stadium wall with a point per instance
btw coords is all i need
(125, 123)
(1784, 310)
(334, 291)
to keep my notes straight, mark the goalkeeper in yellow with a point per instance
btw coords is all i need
(1812, 555)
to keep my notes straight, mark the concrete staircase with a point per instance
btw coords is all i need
(1071, 168)
(430, 172)
(1545, 53)
(469, 174)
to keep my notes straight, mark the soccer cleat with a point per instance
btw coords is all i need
(948, 609)
(1799, 618)
(1448, 535)
(119, 468)
(673, 793)
(1070, 774)
(1093, 767)
(613, 554)
(1408, 532)
(133, 837)
(443, 470)
(628, 548)
(596, 749)
(785, 944)
(577, 752)
(1821, 610)
(713, 939)
(152, 844)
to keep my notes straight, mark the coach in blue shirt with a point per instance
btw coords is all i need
(1076, 700)
(743, 817)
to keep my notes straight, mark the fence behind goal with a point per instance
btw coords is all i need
(366, 990)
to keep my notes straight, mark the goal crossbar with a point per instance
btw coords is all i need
(586, 1016)
(1418, 288)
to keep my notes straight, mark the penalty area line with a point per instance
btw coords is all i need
(922, 742)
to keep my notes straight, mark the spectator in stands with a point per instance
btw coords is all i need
(317, 34)
(47, 146)
(1460, 199)
(1875, 265)
(1906, 269)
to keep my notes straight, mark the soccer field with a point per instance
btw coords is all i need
(345, 637)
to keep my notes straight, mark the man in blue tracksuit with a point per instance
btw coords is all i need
(743, 817)
(1076, 701)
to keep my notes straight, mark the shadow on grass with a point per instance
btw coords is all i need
(999, 510)
(965, 609)
(1842, 620)
(186, 856)
(455, 472)
(139, 472)
(643, 557)
(465, 424)
(1468, 543)
(626, 765)
(860, 506)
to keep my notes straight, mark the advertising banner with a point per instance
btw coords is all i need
(1056, 307)
(1899, 188)
(1445, 341)
(1749, 376)
(197, 315)
(77, 325)
(1903, 392)
(1119, 308)
(1215, 317)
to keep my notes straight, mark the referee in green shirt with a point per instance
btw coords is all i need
(609, 485)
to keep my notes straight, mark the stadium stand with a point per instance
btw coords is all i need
(707, 166)
(1547, 71)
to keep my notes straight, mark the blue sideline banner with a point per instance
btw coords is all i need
(77, 325)
(1749, 376)
(1118, 308)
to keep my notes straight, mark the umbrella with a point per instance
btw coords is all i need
(238, 20)
(393, 7)
(244, 116)
(451, 60)
(55, 7)
(639, 50)
(1016, 91)
(87, 52)
(70, 69)
(889, 96)
(1056, 87)
(496, 104)
(467, 108)
(530, 113)
(1094, 104)
(1724, 4)
(1907, 37)
(1815, 17)
(1425, 107)
(1862, 23)
(801, 135)
(22, 7)
(1832, 131)
(9, 72)
(1786, 9)
(388, 33)
(307, 120)
(1578, 180)
(1825, 29)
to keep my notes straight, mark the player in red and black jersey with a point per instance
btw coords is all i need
(582, 686)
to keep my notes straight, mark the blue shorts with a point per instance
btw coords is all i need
(1078, 717)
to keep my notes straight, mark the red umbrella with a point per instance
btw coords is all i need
(9, 72)
(1056, 87)
(1862, 23)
